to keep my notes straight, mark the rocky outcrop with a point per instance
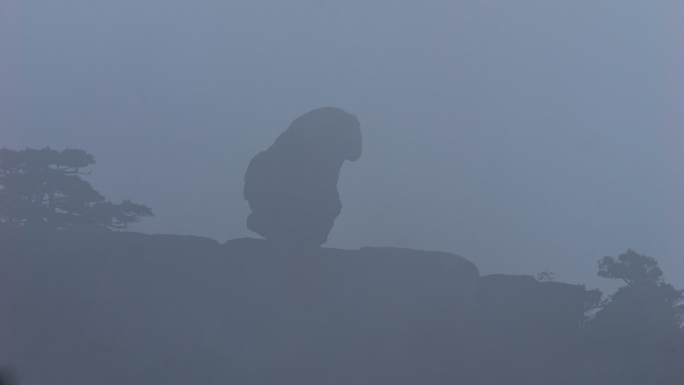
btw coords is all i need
(101, 307)
(108, 307)
(292, 187)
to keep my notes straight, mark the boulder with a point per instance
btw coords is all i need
(292, 186)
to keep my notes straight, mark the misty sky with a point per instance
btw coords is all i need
(525, 136)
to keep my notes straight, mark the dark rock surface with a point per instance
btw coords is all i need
(100, 307)
(292, 187)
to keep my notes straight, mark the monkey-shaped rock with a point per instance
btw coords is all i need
(292, 187)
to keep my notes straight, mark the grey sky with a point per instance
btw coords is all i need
(525, 136)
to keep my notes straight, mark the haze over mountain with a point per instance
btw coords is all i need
(524, 137)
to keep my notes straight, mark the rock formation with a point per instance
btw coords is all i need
(84, 307)
(292, 187)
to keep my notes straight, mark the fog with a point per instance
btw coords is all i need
(526, 136)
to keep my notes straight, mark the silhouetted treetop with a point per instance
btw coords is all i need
(43, 188)
(631, 267)
(647, 312)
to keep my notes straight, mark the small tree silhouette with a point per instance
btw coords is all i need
(647, 312)
(632, 268)
(43, 188)
(545, 276)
